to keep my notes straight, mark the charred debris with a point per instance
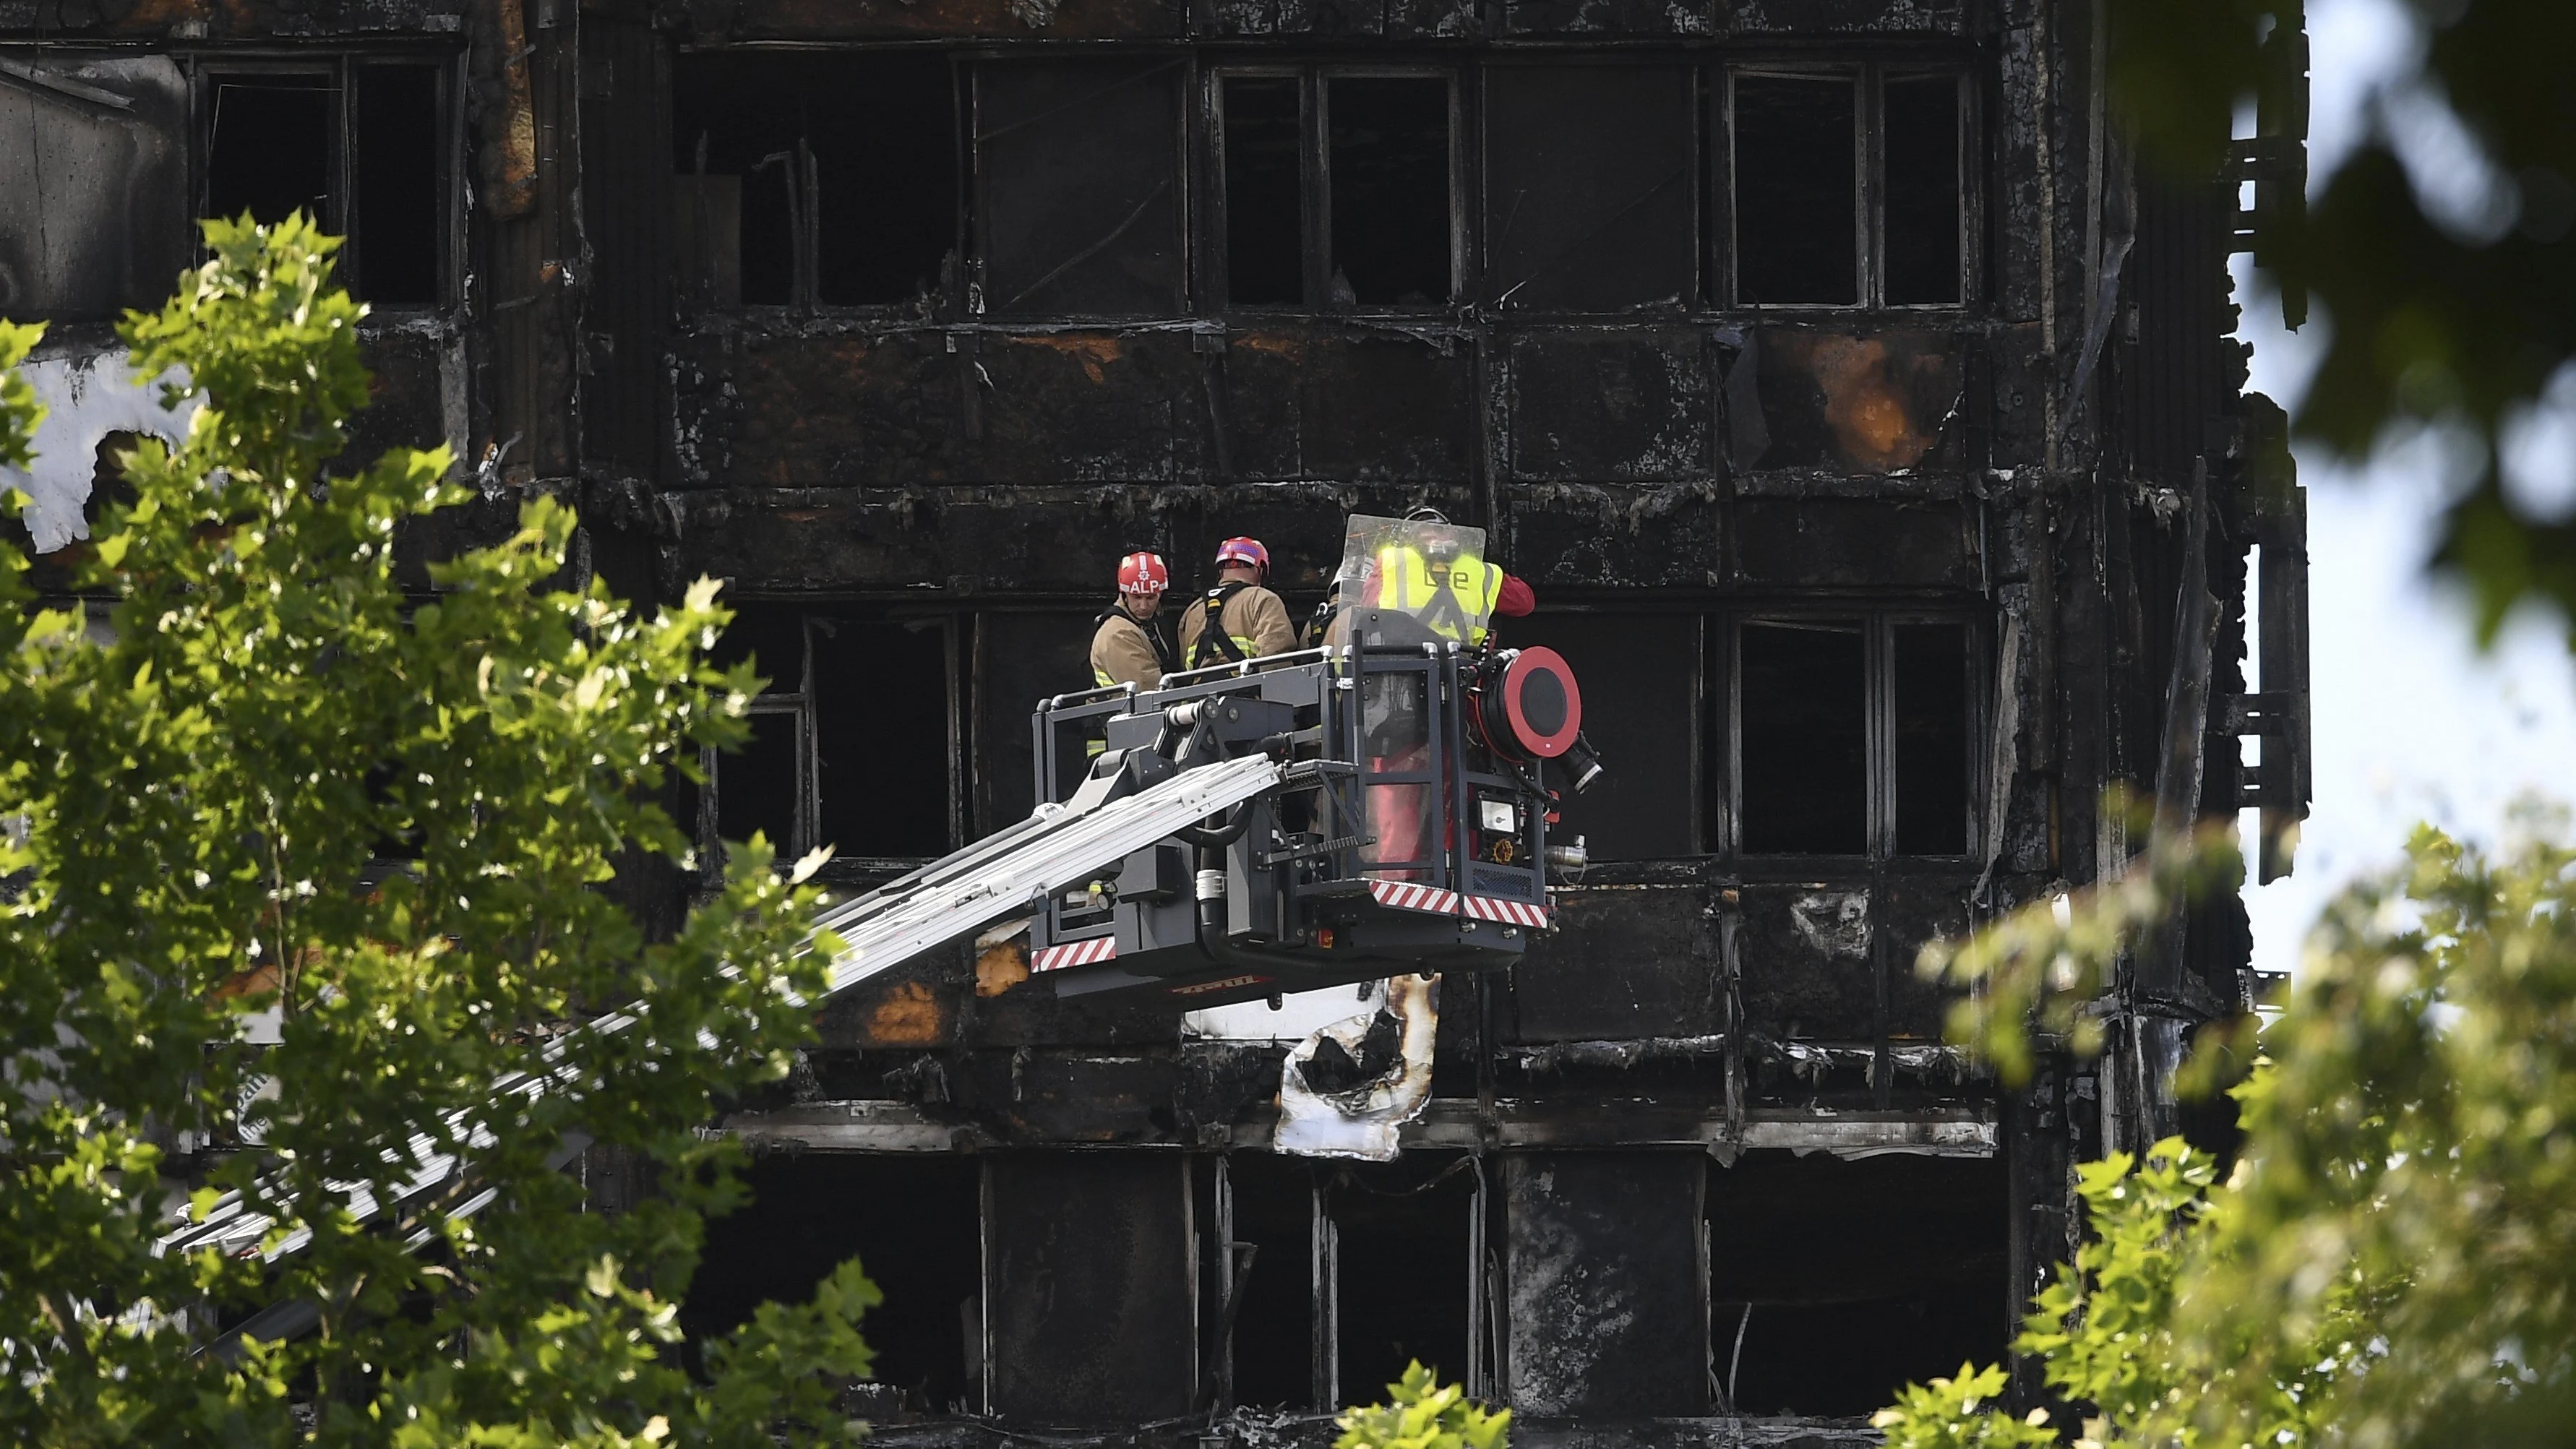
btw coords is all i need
(1863, 413)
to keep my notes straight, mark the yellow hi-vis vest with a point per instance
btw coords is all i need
(1454, 600)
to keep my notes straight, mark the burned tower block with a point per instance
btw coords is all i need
(1860, 412)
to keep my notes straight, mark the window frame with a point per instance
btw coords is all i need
(1315, 186)
(1869, 80)
(1879, 622)
(805, 830)
(207, 69)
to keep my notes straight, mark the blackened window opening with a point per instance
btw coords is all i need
(914, 1223)
(1921, 190)
(398, 180)
(1389, 160)
(1264, 191)
(756, 787)
(1804, 759)
(1860, 1276)
(272, 146)
(1274, 1327)
(1797, 207)
(881, 736)
(1400, 1237)
(1930, 672)
(850, 159)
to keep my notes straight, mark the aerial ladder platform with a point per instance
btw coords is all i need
(1367, 808)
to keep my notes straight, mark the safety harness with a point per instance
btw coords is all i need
(1213, 640)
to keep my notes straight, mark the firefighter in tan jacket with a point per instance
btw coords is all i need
(1250, 620)
(1126, 648)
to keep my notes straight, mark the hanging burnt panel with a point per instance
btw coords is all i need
(912, 1224)
(1077, 167)
(273, 146)
(1090, 1301)
(1920, 191)
(1858, 1277)
(1273, 1217)
(827, 179)
(1639, 675)
(882, 735)
(1929, 666)
(1398, 1275)
(93, 188)
(1796, 194)
(1388, 160)
(1802, 717)
(399, 175)
(1607, 1310)
(1588, 196)
(1264, 130)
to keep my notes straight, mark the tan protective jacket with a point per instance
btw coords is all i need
(1122, 653)
(1255, 619)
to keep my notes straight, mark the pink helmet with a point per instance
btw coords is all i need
(1243, 550)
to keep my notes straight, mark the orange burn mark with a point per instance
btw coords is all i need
(908, 1016)
(1001, 966)
(1862, 404)
(1093, 353)
(1281, 345)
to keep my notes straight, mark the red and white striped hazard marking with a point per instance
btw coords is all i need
(1074, 953)
(1407, 897)
(1512, 913)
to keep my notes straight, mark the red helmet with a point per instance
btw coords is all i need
(1143, 573)
(1243, 550)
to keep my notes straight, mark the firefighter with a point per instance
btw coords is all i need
(1126, 648)
(1439, 579)
(1248, 620)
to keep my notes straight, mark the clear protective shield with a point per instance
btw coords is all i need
(1427, 568)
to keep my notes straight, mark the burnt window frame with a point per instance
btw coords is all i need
(1704, 209)
(1315, 210)
(692, 271)
(1869, 80)
(1482, 1229)
(1879, 622)
(975, 203)
(206, 70)
(800, 702)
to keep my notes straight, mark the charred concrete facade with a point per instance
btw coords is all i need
(1863, 414)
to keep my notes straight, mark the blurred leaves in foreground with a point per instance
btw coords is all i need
(2441, 253)
(2389, 1263)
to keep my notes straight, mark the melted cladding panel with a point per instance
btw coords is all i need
(1626, 961)
(1855, 542)
(93, 212)
(1601, 407)
(1616, 536)
(1806, 958)
(1608, 1314)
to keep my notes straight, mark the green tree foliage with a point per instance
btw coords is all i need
(1423, 1413)
(2388, 1263)
(2432, 316)
(193, 795)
